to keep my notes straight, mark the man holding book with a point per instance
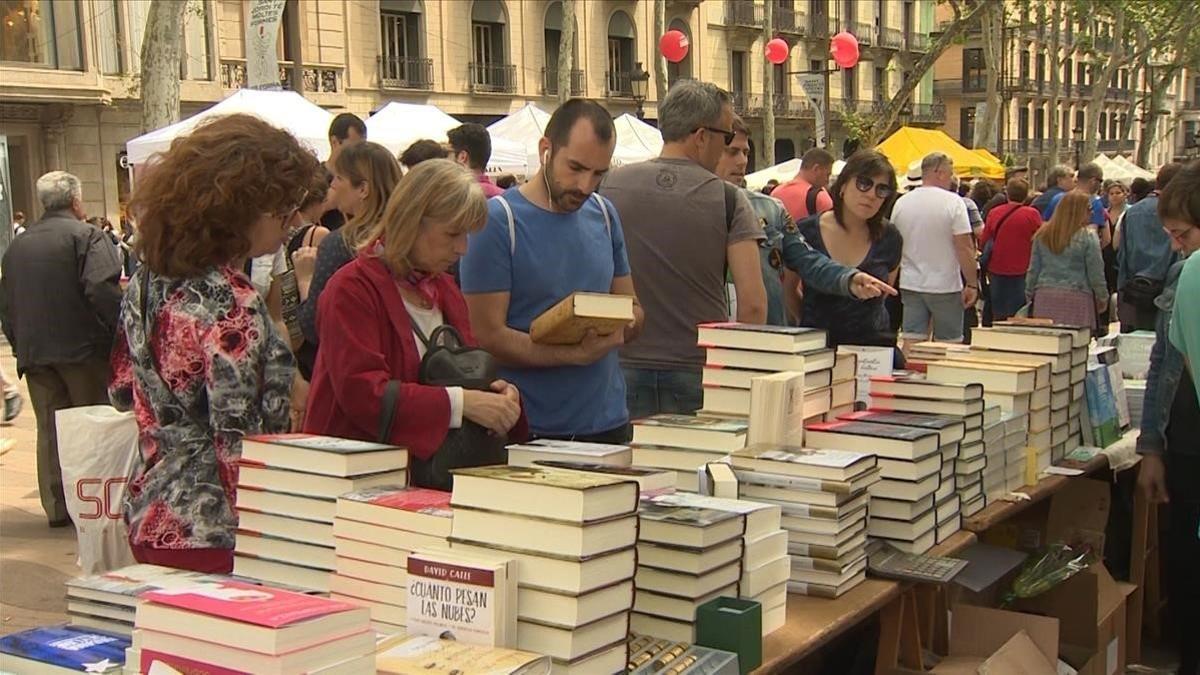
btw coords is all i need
(550, 238)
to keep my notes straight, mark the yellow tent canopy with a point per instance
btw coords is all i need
(910, 144)
(987, 154)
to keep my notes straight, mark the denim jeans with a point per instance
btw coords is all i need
(650, 392)
(1008, 295)
(943, 310)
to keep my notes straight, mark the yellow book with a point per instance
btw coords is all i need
(567, 322)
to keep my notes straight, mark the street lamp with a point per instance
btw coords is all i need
(1077, 135)
(639, 80)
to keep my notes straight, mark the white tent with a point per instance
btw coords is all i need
(636, 141)
(524, 127)
(783, 172)
(1135, 170)
(397, 125)
(288, 110)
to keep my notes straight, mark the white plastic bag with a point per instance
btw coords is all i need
(97, 450)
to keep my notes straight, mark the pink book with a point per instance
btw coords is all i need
(258, 605)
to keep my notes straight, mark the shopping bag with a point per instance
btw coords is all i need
(98, 453)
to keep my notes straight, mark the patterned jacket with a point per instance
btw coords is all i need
(207, 369)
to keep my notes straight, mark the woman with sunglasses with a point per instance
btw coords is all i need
(196, 356)
(856, 234)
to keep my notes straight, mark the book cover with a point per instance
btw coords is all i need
(872, 430)
(837, 459)
(760, 328)
(570, 480)
(583, 450)
(247, 603)
(568, 321)
(696, 422)
(417, 500)
(633, 472)
(690, 516)
(871, 362)
(134, 580)
(340, 446)
(452, 596)
(68, 647)
(428, 655)
(901, 419)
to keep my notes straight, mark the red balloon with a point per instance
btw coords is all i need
(843, 47)
(777, 51)
(674, 45)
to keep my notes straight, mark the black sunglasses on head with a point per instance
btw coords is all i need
(864, 184)
(728, 135)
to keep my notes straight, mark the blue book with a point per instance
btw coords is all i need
(65, 649)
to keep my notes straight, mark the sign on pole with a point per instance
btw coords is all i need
(262, 33)
(814, 88)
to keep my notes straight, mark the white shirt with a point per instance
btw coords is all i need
(428, 321)
(928, 218)
(265, 268)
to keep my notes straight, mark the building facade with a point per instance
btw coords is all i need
(1027, 92)
(69, 68)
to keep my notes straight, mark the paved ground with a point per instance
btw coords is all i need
(35, 560)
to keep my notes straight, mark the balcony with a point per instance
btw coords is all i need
(864, 31)
(1190, 105)
(890, 38)
(794, 107)
(741, 14)
(845, 106)
(550, 82)
(955, 86)
(405, 73)
(318, 79)
(790, 21)
(746, 104)
(821, 26)
(1115, 146)
(618, 83)
(917, 42)
(928, 113)
(492, 78)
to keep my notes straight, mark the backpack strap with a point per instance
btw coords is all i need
(730, 204)
(604, 210)
(810, 200)
(512, 225)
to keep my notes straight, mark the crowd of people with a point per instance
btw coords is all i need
(266, 291)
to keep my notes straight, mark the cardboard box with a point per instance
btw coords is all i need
(1090, 609)
(995, 641)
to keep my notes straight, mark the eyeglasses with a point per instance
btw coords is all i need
(727, 135)
(864, 184)
(299, 202)
(1180, 237)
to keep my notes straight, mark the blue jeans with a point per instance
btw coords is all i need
(945, 310)
(650, 392)
(1008, 295)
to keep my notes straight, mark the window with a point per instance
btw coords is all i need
(1081, 73)
(489, 69)
(1068, 72)
(785, 149)
(1196, 90)
(966, 126)
(1078, 121)
(1114, 126)
(1040, 72)
(683, 69)
(848, 13)
(108, 23)
(621, 38)
(1039, 123)
(881, 85)
(850, 84)
(1064, 130)
(1102, 128)
(880, 13)
(400, 41)
(974, 70)
(909, 13)
(1024, 64)
(779, 75)
(193, 61)
(1023, 123)
(737, 72)
(41, 32)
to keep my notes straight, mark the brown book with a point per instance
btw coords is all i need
(567, 322)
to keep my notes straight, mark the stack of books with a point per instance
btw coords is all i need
(924, 352)
(764, 562)
(63, 649)
(946, 503)
(995, 476)
(910, 465)
(844, 384)
(107, 601)
(736, 353)
(544, 450)
(573, 536)
(286, 498)
(823, 497)
(650, 481)
(374, 532)
(1016, 434)
(236, 627)
(683, 444)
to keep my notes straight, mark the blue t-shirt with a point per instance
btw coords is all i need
(1097, 219)
(555, 254)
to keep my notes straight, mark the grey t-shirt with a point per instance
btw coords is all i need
(673, 215)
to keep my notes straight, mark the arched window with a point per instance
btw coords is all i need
(683, 69)
(552, 30)
(400, 33)
(489, 67)
(622, 38)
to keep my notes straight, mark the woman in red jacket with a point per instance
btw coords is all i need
(366, 318)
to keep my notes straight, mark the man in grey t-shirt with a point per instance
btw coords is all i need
(680, 242)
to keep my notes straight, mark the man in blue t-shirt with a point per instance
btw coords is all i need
(1089, 179)
(544, 240)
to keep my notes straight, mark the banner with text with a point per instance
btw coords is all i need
(814, 88)
(262, 33)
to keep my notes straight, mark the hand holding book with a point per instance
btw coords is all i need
(595, 346)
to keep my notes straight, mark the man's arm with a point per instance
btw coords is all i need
(624, 286)
(514, 348)
(746, 270)
(101, 278)
(7, 323)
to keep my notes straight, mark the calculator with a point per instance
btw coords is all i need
(884, 560)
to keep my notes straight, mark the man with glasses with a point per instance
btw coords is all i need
(938, 255)
(684, 227)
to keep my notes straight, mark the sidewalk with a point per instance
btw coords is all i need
(35, 560)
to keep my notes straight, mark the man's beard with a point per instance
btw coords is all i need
(562, 200)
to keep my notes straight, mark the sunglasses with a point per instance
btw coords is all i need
(728, 135)
(882, 190)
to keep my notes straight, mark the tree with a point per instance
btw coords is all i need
(161, 50)
(965, 13)
(768, 89)
(1055, 79)
(660, 61)
(991, 19)
(566, 50)
(1173, 49)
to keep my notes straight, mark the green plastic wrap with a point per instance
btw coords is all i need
(1055, 565)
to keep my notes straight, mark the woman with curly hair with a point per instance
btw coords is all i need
(197, 357)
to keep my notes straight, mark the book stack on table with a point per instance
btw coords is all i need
(107, 601)
(374, 532)
(286, 498)
(231, 626)
(736, 353)
(910, 466)
(823, 498)
(995, 476)
(764, 562)
(1065, 349)
(844, 385)
(945, 501)
(573, 536)
(924, 352)
(64, 649)
(1016, 434)
(683, 444)
(545, 450)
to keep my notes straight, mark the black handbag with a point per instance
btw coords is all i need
(448, 363)
(1141, 292)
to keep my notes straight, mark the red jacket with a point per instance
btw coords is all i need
(366, 340)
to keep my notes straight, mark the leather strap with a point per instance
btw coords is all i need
(388, 410)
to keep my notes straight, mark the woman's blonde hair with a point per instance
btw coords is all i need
(1071, 215)
(373, 164)
(434, 190)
